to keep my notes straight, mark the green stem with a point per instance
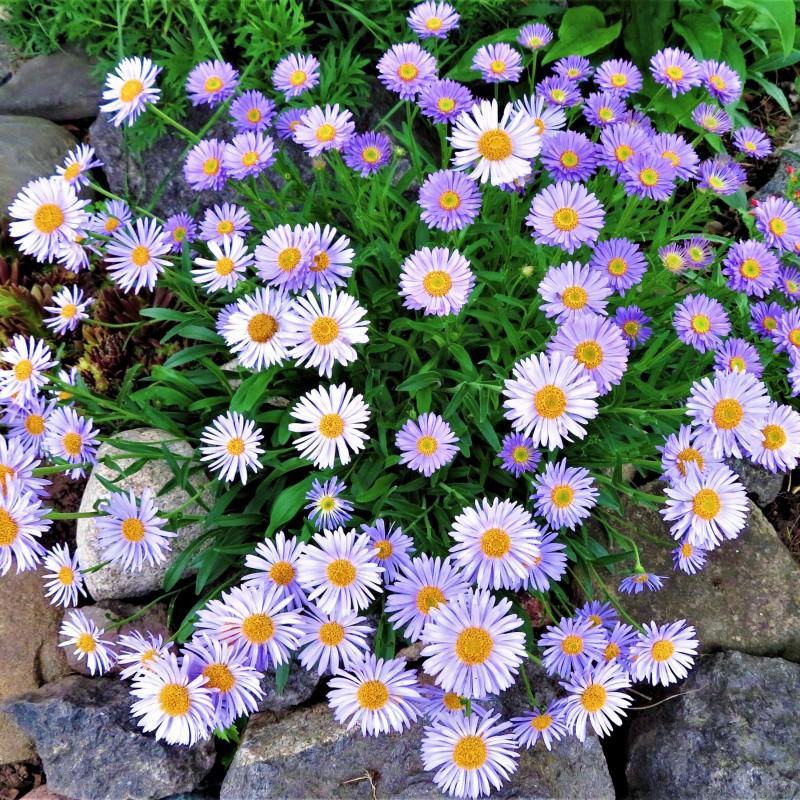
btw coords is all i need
(193, 137)
(111, 196)
(38, 472)
(202, 22)
(71, 514)
(528, 688)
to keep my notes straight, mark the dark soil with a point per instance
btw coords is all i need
(784, 514)
(18, 779)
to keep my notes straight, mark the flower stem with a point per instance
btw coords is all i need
(192, 137)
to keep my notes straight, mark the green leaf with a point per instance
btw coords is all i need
(775, 92)
(583, 31)
(644, 32)
(287, 504)
(282, 676)
(776, 15)
(702, 33)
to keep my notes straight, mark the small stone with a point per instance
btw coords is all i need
(57, 87)
(746, 598)
(299, 688)
(43, 793)
(763, 485)
(29, 148)
(92, 749)
(29, 652)
(111, 581)
(729, 731)
(106, 613)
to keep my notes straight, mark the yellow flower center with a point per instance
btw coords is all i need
(611, 651)
(132, 529)
(9, 528)
(173, 700)
(671, 156)
(324, 330)
(750, 268)
(445, 104)
(235, 446)
(253, 115)
(574, 297)
(706, 504)
(569, 158)
(451, 701)
(605, 114)
(258, 628)
(716, 81)
(495, 145)
(298, 77)
(250, 158)
(331, 634)
(341, 572)
(262, 327)
(72, 171)
(572, 645)
(140, 255)
(383, 549)
(211, 166)
(111, 224)
(497, 67)
(219, 677)
(562, 495)
(86, 643)
(433, 24)
(618, 79)
(750, 146)
(631, 328)
(66, 576)
(648, 176)
(370, 155)
(727, 413)
(674, 73)
(224, 266)
(617, 267)
(589, 353)
(623, 152)
(662, 650)
(130, 90)
(407, 72)
(774, 437)
(550, 402)
(736, 364)
(769, 323)
(179, 234)
(689, 455)
(449, 201)
(777, 226)
(565, 219)
(213, 84)
(427, 445)
(672, 262)
(320, 262)
(686, 550)
(73, 443)
(495, 543)
(701, 323)
(331, 426)
(429, 597)
(474, 646)
(289, 258)
(470, 753)
(593, 697)
(23, 370)
(282, 573)
(542, 722)
(372, 695)
(48, 218)
(327, 503)
(437, 283)
(558, 95)
(520, 455)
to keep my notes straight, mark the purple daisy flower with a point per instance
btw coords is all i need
(546, 119)
(779, 220)
(367, 152)
(648, 175)
(751, 267)
(405, 69)
(699, 252)
(786, 336)
(391, 548)
(789, 282)
(436, 281)
(598, 345)
(777, 445)
(295, 74)
(519, 454)
(136, 255)
(688, 558)
(328, 509)
(738, 355)
(602, 615)
(764, 318)
(634, 325)
(721, 175)
(203, 166)
(288, 122)
(248, 154)
(681, 450)
(331, 257)
(664, 654)
(564, 495)
(443, 100)
(550, 565)
(223, 221)
(639, 581)
(711, 118)
(675, 69)
(558, 91)
(575, 68)
(498, 63)
(569, 156)
(432, 19)
(449, 200)
(535, 36)
(618, 76)
(595, 697)
(570, 290)
(322, 129)
(673, 257)
(565, 215)
(180, 228)
(752, 142)
(547, 725)
(619, 144)
(604, 108)
(720, 81)
(571, 646)
(426, 444)
(252, 111)
(675, 149)
(211, 82)
(701, 322)
(620, 261)
(620, 639)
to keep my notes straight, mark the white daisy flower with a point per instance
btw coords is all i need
(129, 89)
(227, 268)
(284, 256)
(596, 698)
(322, 129)
(275, 564)
(63, 580)
(330, 641)
(136, 255)
(27, 359)
(68, 309)
(231, 444)
(81, 633)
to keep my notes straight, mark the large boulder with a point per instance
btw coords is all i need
(57, 87)
(29, 148)
(730, 731)
(111, 582)
(746, 598)
(308, 754)
(92, 749)
(157, 170)
(29, 652)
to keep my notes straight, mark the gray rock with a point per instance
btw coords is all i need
(57, 87)
(109, 612)
(29, 652)
(307, 754)
(92, 749)
(29, 148)
(731, 731)
(299, 689)
(111, 581)
(746, 598)
(763, 485)
(138, 176)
